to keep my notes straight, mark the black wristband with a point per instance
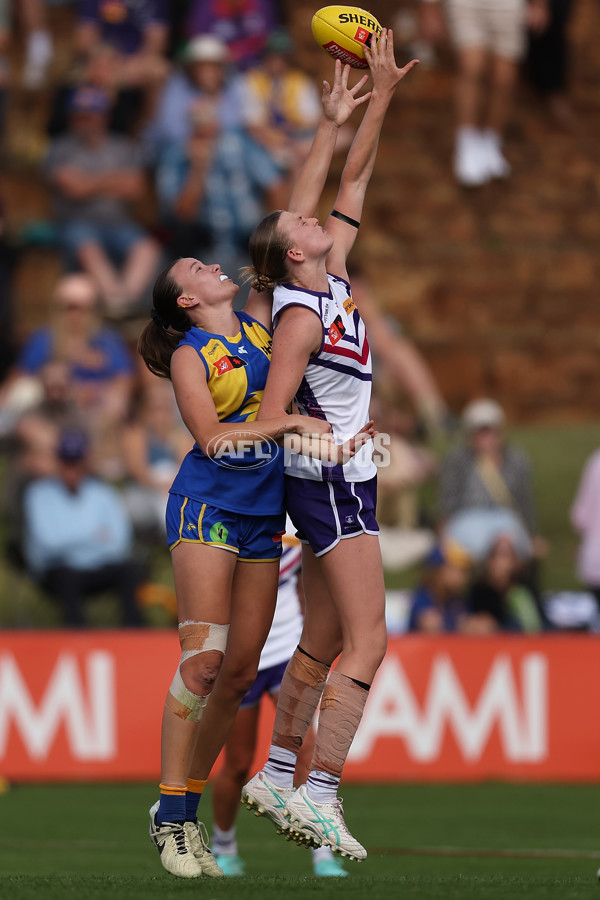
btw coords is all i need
(346, 219)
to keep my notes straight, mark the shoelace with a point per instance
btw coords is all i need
(172, 828)
(203, 837)
(337, 805)
(343, 826)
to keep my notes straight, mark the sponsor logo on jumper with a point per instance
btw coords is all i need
(336, 330)
(349, 305)
(242, 349)
(250, 452)
(228, 364)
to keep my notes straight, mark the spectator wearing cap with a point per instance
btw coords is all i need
(203, 77)
(439, 600)
(95, 177)
(486, 487)
(216, 183)
(243, 25)
(78, 537)
(281, 105)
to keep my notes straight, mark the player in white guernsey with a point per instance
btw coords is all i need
(321, 360)
(241, 744)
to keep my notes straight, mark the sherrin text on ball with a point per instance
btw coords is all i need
(344, 31)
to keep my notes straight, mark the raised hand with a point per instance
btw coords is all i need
(340, 101)
(385, 73)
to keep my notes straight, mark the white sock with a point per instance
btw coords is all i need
(322, 787)
(281, 766)
(224, 843)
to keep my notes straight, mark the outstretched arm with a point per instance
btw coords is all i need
(339, 102)
(361, 156)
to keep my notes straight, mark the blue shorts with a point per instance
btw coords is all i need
(326, 512)
(252, 538)
(267, 682)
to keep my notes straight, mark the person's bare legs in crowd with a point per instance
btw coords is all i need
(120, 290)
(139, 267)
(96, 263)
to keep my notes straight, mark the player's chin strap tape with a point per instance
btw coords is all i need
(194, 638)
(344, 218)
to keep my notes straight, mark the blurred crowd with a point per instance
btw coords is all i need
(198, 112)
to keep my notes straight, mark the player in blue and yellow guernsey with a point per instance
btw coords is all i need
(236, 371)
(225, 520)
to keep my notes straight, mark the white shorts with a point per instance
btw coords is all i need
(496, 25)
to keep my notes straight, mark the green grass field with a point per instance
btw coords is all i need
(477, 842)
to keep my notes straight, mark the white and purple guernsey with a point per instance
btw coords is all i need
(337, 383)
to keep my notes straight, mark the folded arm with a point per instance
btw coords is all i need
(200, 415)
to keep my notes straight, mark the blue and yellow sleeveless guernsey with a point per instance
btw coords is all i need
(250, 480)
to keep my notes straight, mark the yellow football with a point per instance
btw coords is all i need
(343, 31)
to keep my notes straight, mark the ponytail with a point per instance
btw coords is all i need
(162, 335)
(268, 251)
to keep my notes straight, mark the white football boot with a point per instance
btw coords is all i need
(172, 843)
(198, 840)
(320, 824)
(267, 799)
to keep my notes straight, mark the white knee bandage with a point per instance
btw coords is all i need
(194, 638)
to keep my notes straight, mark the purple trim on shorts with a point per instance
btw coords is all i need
(326, 512)
(268, 681)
